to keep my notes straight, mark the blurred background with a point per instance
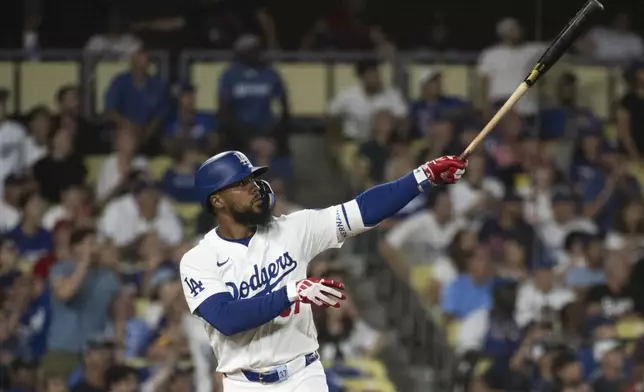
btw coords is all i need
(528, 275)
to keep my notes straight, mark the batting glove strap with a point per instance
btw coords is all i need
(320, 292)
(422, 175)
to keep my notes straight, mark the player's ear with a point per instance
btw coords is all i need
(216, 201)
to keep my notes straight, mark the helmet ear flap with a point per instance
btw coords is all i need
(266, 192)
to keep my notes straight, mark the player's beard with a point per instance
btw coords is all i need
(252, 217)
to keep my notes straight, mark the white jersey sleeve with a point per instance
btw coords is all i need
(198, 281)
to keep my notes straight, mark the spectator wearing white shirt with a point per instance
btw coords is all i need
(503, 66)
(13, 142)
(127, 218)
(472, 196)
(116, 43)
(628, 231)
(39, 127)
(73, 207)
(117, 169)
(617, 42)
(423, 237)
(351, 112)
(539, 297)
(10, 213)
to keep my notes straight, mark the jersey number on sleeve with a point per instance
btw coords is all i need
(287, 311)
(194, 286)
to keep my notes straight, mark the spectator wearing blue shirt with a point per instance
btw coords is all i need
(35, 318)
(247, 89)
(471, 291)
(32, 240)
(189, 124)
(179, 179)
(82, 293)
(136, 99)
(586, 159)
(263, 149)
(433, 105)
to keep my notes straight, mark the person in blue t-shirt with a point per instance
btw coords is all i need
(32, 240)
(137, 99)
(179, 179)
(263, 150)
(189, 124)
(433, 105)
(247, 89)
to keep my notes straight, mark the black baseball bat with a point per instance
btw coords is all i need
(553, 53)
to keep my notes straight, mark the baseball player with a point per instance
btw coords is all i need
(247, 277)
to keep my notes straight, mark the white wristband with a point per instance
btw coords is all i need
(291, 291)
(421, 178)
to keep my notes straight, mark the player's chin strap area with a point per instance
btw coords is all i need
(276, 374)
(267, 194)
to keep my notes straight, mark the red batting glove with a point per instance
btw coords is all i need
(320, 292)
(440, 171)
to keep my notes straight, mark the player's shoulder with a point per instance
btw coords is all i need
(200, 255)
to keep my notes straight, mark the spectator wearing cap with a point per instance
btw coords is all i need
(627, 233)
(564, 220)
(630, 113)
(23, 375)
(138, 100)
(350, 114)
(13, 141)
(39, 125)
(10, 212)
(541, 295)
(247, 90)
(614, 298)
(117, 170)
(61, 168)
(472, 290)
(179, 180)
(136, 213)
(501, 65)
(97, 357)
(433, 105)
(188, 124)
(32, 239)
(83, 292)
(611, 376)
(582, 277)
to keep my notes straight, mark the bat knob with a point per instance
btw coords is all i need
(463, 157)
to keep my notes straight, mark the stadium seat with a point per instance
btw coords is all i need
(370, 367)
(456, 79)
(158, 166)
(93, 165)
(630, 328)
(453, 329)
(40, 81)
(188, 212)
(348, 152)
(594, 89)
(140, 306)
(482, 366)
(206, 77)
(307, 87)
(420, 278)
(104, 72)
(417, 146)
(8, 81)
(344, 75)
(368, 386)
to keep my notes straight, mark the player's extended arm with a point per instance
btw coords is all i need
(382, 201)
(230, 316)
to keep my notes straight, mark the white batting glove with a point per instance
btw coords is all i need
(319, 292)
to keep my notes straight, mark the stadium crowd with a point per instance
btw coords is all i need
(534, 258)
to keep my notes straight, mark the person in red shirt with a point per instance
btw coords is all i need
(61, 233)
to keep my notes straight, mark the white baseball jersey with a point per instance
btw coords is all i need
(277, 254)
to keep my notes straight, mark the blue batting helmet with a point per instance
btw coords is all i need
(222, 170)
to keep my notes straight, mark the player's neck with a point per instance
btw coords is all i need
(235, 231)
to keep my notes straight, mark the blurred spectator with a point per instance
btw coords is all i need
(129, 332)
(117, 170)
(441, 137)
(423, 237)
(454, 263)
(138, 100)
(39, 123)
(374, 153)
(247, 89)
(346, 27)
(610, 376)
(433, 104)
(616, 42)
(284, 205)
(264, 152)
(32, 239)
(97, 358)
(514, 262)
(586, 159)
(435, 36)
(13, 142)
(630, 113)
(614, 298)
(351, 112)
(568, 372)
(9, 268)
(61, 233)
(638, 367)
(116, 43)
(179, 179)
(592, 272)
(121, 378)
(75, 206)
(472, 290)
(627, 233)
(136, 213)
(87, 139)
(10, 212)
(538, 297)
(473, 196)
(501, 65)
(83, 291)
(61, 168)
(23, 376)
(189, 125)
(538, 195)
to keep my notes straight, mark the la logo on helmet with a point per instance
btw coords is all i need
(242, 158)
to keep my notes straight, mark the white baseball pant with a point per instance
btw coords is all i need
(309, 379)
